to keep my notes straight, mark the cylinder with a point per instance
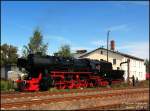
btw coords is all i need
(112, 45)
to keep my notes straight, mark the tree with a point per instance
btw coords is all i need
(35, 45)
(64, 51)
(8, 54)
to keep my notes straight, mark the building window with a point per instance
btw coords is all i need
(101, 52)
(133, 63)
(139, 64)
(114, 61)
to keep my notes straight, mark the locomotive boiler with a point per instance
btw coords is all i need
(64, 72)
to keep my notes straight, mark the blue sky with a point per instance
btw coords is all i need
(82, 25)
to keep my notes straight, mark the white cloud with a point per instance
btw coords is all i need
(138, 49)
(19, 26)
(125, 4)
(122, 27)
(19, 52)
(98, 43)
(60, 39)
(141, 3)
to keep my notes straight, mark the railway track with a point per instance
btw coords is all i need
(10, 95)
(119, 106)
(106, 95)
(45, 95)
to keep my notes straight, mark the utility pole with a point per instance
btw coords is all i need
(107, 43)
(128, 76)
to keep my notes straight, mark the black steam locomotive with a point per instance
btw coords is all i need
(62, 72)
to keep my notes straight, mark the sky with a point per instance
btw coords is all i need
(82, 24)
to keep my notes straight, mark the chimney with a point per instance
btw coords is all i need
(112, 45)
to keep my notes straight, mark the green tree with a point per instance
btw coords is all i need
(35, 45)
(8, 54)
(64, 51)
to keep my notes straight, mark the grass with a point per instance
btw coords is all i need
(6, 85)
(122, 85)
(63, 90)
(66, 90)
(144, 83)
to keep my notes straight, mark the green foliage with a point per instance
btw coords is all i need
(8, 54)
(64, 51)
(144, 83)
(6, 85)
(35, 45)
(121, 85)
(52, 90)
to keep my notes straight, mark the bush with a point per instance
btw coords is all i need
(53, 90)
(144, 83)
(59, 90)
(6, 85)
(121, 85)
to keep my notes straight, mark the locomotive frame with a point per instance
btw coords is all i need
(62, 79)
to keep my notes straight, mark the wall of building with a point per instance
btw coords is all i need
(97, 56)
(5, 69)
(137, 67)
(3, 72)
(125, 68)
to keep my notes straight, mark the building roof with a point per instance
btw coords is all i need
(76, 55)
(120, 53)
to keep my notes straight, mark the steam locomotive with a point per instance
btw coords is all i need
(64, 72)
